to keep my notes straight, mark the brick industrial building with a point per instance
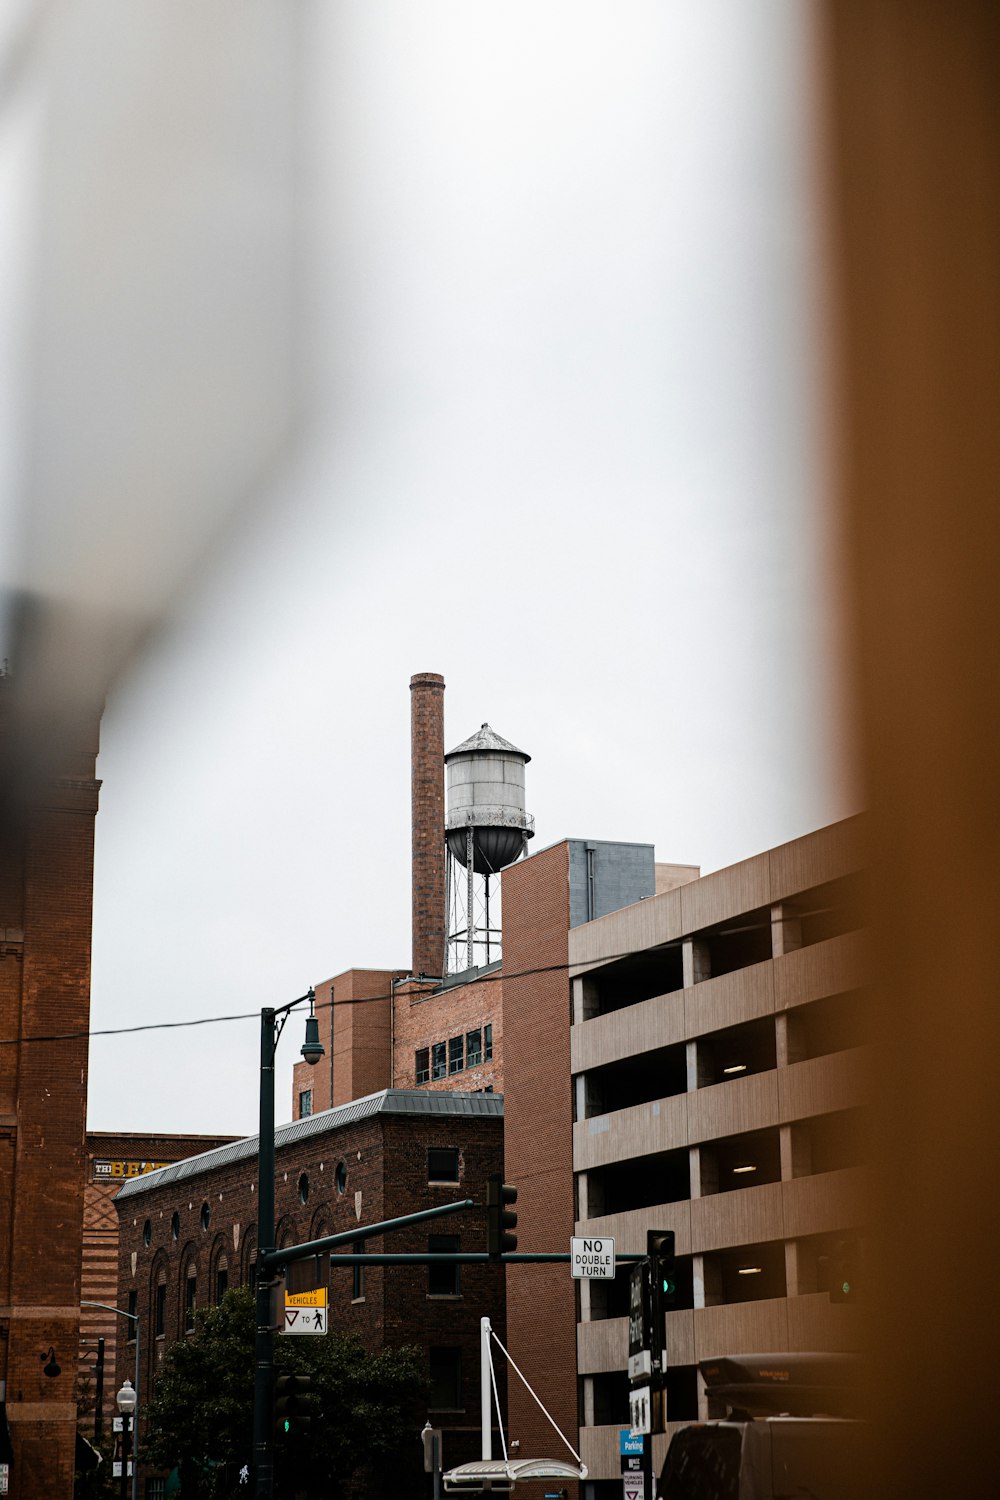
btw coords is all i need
(46, 883)
(188, 1234)
(674, 1051)
(111, 1159)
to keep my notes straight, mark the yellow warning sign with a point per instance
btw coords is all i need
(315, 1298)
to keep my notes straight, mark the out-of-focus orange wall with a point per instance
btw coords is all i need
(911, 115)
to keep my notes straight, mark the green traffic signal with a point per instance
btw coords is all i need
(293, 1405)
(843, 1261)
(660, 1249)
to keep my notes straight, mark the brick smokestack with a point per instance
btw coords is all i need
(427, 803)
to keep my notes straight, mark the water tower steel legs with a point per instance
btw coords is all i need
(448, 883)
(470, 925)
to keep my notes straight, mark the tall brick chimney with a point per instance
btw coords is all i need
(427, 802)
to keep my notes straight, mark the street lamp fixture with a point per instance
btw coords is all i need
(312, 1047)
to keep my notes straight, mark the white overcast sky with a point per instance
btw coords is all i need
(565, 449)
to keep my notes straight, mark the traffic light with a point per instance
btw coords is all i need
(844, 1271)
(292, 1405)
(663, 1268)
(500, 1219)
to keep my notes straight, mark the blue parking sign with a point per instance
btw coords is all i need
(630, 1443)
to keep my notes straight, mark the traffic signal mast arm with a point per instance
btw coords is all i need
(362, 1232)
(370, 1231)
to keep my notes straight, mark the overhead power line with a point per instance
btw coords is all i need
(498, 975)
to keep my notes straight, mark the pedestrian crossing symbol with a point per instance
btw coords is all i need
(306, 1312)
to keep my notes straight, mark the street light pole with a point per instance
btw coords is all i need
(133, 1318)
(263, 1393)
(126, 1400)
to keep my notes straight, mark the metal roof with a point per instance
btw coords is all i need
(415, 1103)
(486, 739)
(506, 1472)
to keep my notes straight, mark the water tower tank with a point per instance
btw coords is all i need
(485, 793)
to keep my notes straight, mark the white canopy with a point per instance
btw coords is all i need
(504, 1473)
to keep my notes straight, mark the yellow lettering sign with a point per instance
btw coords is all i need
(315, 1298)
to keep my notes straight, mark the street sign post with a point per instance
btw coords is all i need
(646, 1355)
(306, 1312)
(592, 1258)
(640, 1409)
(636, 1460)
(640, 1323)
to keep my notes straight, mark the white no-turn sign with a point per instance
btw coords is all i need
(592, 1258)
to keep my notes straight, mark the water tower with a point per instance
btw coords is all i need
(486, 829)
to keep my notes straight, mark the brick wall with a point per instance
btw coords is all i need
(361, 1173)
(99, 1276)
(541, 1300)
(355, 1010)
(423, 1018)
(427, 807)
(46, 882)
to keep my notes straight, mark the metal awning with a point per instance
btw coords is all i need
(504, 1473)
(88, 1457)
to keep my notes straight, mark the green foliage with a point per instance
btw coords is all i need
(365, 1425)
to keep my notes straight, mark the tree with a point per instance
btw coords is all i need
(364, 1431)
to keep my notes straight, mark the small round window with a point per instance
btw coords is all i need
(303, 1188)
(340, 1178)
(175, 1226)
(147, 1232)
(206, 1216)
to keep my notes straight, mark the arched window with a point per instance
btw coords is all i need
(249, 1256)
(158, 1300)
(190, 1294)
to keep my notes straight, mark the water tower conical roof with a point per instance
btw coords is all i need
(485, 740)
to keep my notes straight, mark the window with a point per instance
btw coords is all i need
(439, 1060)
(340, 1177)
(473, 1048)
(133, 1308)
(175, 1226)
(358, 1289)
(155, 1489)
(422, 1064)
(304, 1188)
(442, 1279)
(456, 1054)
(305, 1103)
(147, 1233)
(190, 1290)
(442, 1164)
(487, 1044)
(252, 1272)
(160, 1310)
(221, 1279)
(206, 1215)
(445, 1368)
